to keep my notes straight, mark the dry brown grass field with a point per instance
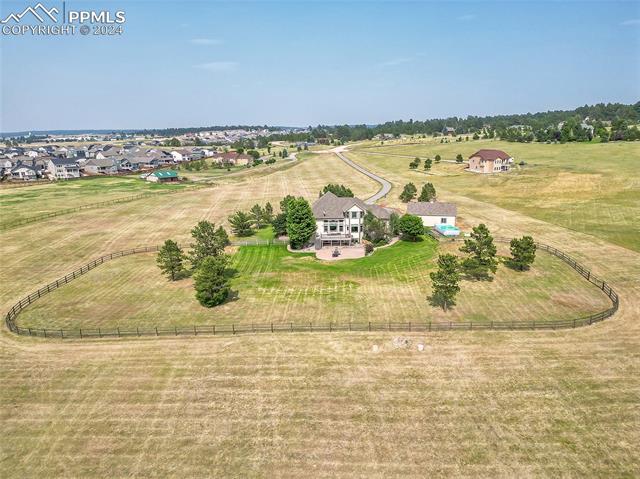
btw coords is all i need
(472, 404)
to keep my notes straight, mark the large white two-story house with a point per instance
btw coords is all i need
(63, 169)
(340, 220)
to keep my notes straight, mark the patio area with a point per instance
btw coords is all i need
(346, 252)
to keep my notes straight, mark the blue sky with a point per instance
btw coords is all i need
(304, 63)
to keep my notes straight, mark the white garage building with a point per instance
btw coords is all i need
(434, 213)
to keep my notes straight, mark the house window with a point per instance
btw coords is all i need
(443, 221)
(354, 228)
(354, 214)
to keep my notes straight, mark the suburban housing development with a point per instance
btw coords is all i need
(20, 163)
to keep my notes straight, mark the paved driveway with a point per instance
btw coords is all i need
(385, 186)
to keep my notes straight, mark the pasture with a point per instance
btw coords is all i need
(589, 188)
(275, 286)
(19, 203)
(474, 404)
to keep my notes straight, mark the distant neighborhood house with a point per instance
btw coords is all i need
(490, 161)
(164, 176)
(106, 166)
(63, 168)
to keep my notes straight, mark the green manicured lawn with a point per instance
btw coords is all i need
(591, 188)
(272, 284)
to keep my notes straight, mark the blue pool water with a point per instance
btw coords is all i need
(448, 230)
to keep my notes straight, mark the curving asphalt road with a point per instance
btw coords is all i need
(385, 186)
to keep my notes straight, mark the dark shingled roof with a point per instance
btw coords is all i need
(331, 206)
(491, 154)
(436, 208)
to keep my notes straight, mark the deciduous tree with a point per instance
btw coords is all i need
(410, 227)
(301, 224)
(338, 190)
(208, 242)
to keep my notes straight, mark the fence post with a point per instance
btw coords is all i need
(429, 326)
(118, 330)
(409, 326)
(44, 331)
(30, 332)
(329, 326)
(214, 329)
(292, 327)
(176, 329)
(272, 327)
(233, 328)
(62, 334)
(369, 326)
(99, 332)
(574, 322)
(195, 331)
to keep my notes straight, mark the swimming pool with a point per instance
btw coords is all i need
(448, 230)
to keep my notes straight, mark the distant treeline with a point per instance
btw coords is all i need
(541, 126)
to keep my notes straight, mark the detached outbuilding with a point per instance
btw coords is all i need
(164, 176)
(434, 213)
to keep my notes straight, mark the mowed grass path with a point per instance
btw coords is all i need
(590, 188)
(276, 286)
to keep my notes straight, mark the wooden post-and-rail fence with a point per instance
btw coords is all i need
(420, 326)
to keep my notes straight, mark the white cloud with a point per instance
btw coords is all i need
(217, 66)
(467, 17)
(395, 62)
(206, 41)
(631, 22)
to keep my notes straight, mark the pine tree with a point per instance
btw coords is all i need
(428, 192)
(241, 223)
(408, 193)
(170, 260)
(427, 164)
(523, 252)
(445, 281)
(268, 213)
(210, 281)
(482, 251)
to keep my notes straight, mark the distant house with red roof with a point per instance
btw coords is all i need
(490, 161)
